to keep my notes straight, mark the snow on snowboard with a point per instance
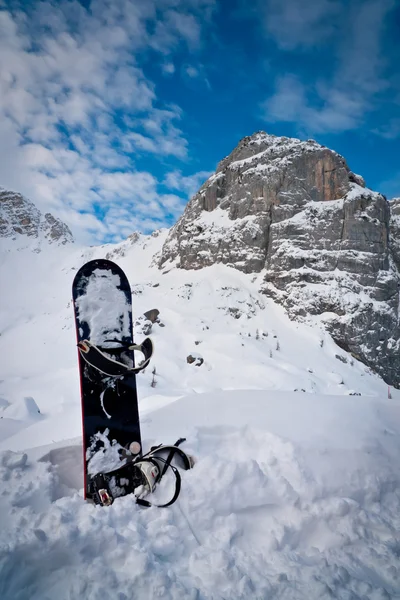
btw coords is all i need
(114, 464)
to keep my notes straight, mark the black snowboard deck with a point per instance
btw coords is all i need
(103, 315)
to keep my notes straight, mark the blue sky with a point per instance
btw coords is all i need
(112, 113)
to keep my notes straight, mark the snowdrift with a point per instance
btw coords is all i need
(293, 496)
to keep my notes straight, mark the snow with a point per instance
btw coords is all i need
(275, 507)
(106, 460)
(276, 145)
(103, 297)
(294, 494)
(356, 191)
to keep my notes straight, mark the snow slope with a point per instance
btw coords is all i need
(289, 498)
(295, 494)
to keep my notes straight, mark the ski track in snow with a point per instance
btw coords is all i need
(294, 495)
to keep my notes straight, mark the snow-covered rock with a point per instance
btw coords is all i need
(265, 180)
(332, 260)
(294, 211)
(19, 217)
(394, 238)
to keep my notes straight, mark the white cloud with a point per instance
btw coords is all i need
(88, 222)
(76, 107)
(178, 24)
(168, 68)
(186, 25)
(127, 185)
(187, 184)
(39, 157)
(161, 136)
(323, 109)
(294, 24)
(341, 101)
(195, 75)
(191, 71)
(391, 129)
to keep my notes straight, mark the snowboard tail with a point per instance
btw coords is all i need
(110, 416)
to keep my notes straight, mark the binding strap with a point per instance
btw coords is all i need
(178, 482)
(95, 357)
(129, 476)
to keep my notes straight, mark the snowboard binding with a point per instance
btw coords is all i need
(97, 358)
(140, 476)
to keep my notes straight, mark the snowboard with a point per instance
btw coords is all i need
(110, 417)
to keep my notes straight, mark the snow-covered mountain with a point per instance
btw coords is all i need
(296, 488)
(324, 244)
(245, 339)
(20, 220)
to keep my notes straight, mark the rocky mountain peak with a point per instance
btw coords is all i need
(267, 149)
(265, 179)
(325, 244)
(20, 217)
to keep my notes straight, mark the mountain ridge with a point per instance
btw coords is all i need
(20, 217)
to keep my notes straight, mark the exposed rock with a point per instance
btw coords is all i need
(195, 359)
(333, 260)
(394, 238)
(357, 179)
(55, 230)
(143, 325)
(265, 179)
(152, 315)
(327, 245)
(122, 248)
(342, 359)
(18, 216)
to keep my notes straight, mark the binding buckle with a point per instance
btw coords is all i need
(104, 497)
(101, 490)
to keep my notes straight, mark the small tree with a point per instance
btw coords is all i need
(270, 353)
(278, 346)
(153, 381)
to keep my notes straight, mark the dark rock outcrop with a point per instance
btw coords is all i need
(152, 315)
(195, 359)
(326, 244)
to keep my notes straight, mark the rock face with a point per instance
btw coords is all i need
(326, 244)
(266, 179)
(394, 237)
(18, 216)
